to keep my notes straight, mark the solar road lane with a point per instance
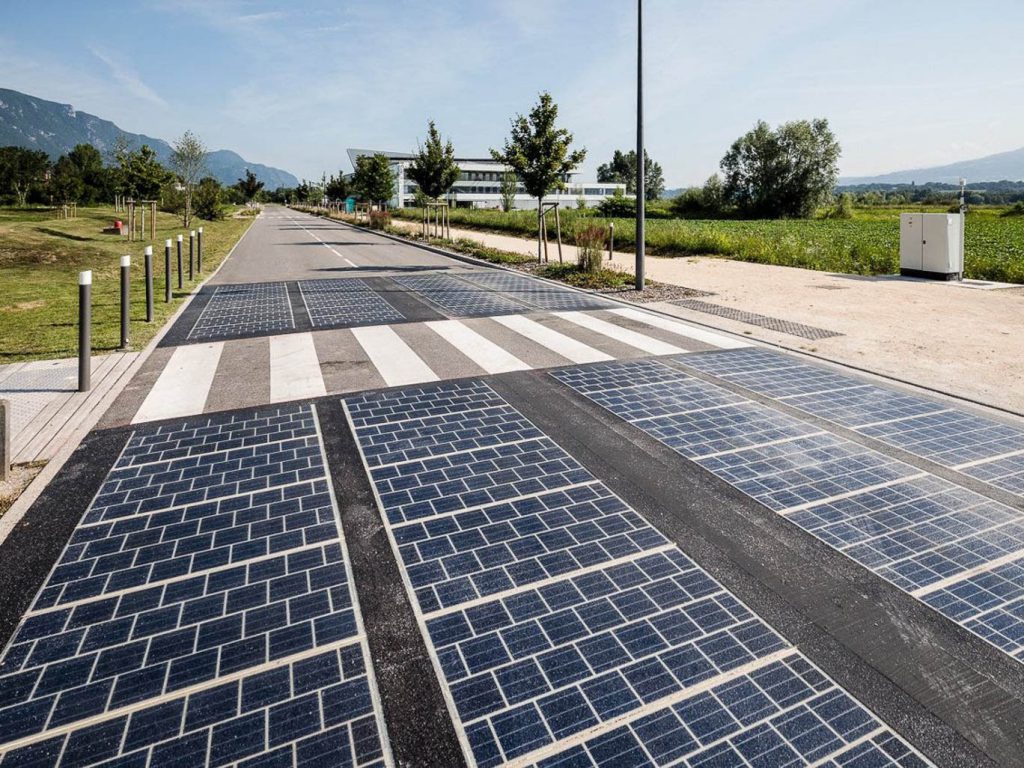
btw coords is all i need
(980, 447)
(239, 310)
(932, 538)
(535, 293)
(460, 299)
(337, 303)
(565, 629)
(201, 613)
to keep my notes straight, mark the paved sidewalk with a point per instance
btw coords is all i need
(964, 342)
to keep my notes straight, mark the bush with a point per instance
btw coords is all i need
(843, 208)
(590, 244)
(1017, 210)
(206, 200)
(380, 220)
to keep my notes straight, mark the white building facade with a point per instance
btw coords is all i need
(479, 185)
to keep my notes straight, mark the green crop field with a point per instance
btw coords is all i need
(40, 257)
(867, 244)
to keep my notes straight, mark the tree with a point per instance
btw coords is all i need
(66, 181)
(207, 199)
(338, 187)
(539, 154)
(21, 170)
(434, 170)
(140, 174)
(249, 187)
(373, 180)
(622, 170)
(188, 159)
(785, 173)
(509, 189)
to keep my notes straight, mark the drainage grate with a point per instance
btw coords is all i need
(771, 323)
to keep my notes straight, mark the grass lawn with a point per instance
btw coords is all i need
(41, 256)
(867, 244)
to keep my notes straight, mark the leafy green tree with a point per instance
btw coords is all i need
(95, 177)
(338, 187)
(434, 170)
(21, 171)
(509, 189)
(783, 173)
(208, 199)
(188, 159)
(249, 187)
(540, 154)
(141, 174)
(622, 170)
(66, 181)
(374, 180)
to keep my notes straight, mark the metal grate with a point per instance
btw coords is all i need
(762, 321)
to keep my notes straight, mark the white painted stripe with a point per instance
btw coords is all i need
(983, 568)
(394, 359)
(559, 343)
(901, 418)
(632, 338)
(294, 368)
(479, 349)
(680, 328)
(184, 383)
(987, 459)
(848, 494)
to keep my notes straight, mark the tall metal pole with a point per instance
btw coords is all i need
(640, 201)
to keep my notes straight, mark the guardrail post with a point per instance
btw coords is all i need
(191, 255)
(148, 256)
(180, 286)
(126, 266)
(199, 248)
(5, 440)
(84, 331)
(167, 271)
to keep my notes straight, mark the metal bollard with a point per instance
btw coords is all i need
(84, 331)
(199, 248)
(5, 440)
(167, 271)
(611, 239)
(126, 266)
(179, 263)
(191, 255)
(148, 256)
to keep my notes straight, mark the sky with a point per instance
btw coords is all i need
(903, 83)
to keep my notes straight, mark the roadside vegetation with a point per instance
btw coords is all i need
(41, 256)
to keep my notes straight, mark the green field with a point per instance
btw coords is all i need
(41, 256)
(867, 244)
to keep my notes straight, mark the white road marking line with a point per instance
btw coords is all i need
(479, 349)
(566, 346)
(350, 262)
(394, 359)
(631, 338)
(682, 329)
(184, 383)
(294, 368)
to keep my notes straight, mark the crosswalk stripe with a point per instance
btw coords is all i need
(294, 368)
(566, 346)
(482, 351)
(697, 334)
(184, 383)
(394, 359)
(632, 338)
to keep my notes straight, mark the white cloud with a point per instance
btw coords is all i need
(126, 76)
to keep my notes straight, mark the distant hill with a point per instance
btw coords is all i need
(1004, 166)
(26, 121)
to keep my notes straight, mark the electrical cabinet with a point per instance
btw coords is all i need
(931, 245)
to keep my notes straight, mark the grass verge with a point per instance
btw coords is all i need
(40, 258)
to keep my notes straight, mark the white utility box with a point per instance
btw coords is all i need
(931, 245)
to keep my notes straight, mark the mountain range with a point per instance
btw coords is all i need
(1004, 166)
(27, 121)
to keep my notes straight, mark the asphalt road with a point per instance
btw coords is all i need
(370, 505)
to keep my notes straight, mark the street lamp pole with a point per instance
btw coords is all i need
(640, 165)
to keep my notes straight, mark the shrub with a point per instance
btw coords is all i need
(206, 200)
(380, 220)
(843, 208)
(590, 243)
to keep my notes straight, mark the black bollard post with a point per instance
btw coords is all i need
(167, 271)
(199, 248)
(84, 331)
(179, 262)
(191, 255)
(148, 256)
(126, 266)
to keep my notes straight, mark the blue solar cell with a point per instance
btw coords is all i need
(345, 302)
(235, 310)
